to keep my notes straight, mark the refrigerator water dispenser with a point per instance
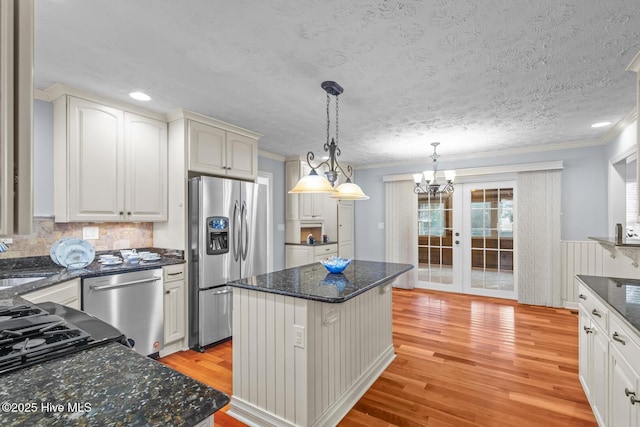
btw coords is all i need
(217, 235)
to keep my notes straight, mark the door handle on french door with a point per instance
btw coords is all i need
(245, 227)
(236, 241)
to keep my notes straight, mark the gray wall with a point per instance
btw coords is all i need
(584, 200)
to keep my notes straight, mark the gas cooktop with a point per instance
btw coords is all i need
(31, 333)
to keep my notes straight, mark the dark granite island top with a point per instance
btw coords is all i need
(314, 282)
(623, 295)
(105, 386)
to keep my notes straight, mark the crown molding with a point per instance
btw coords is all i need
(489, 170)
(272, 156)
(634, 65)
(58, 90)
(41, 95)
(192, 115)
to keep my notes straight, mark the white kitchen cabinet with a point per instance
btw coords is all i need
(594, 346)
(624, 378)
(297, 255)
(66, 293)
(109, 164)
(173, 232)
(216, 151)
(624, 392)
(609, 362)
(174, 304)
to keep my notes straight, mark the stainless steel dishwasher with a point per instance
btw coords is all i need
(132, 302)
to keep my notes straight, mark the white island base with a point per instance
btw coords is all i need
(301, 362)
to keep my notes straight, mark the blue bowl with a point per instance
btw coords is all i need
(336, 265)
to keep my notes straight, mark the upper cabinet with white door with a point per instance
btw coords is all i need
(217, 148)
(110, 164)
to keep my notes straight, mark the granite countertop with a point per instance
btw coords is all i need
(622, 295)
(611, 241)
(110, 385)
(54, 274)
(314, 282)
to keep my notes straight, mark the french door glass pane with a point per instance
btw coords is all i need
(492, 238)
(435, 238)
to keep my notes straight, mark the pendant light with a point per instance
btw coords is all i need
(314, 183)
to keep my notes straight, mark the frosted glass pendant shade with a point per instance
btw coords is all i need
(312, 183)
(349, 191)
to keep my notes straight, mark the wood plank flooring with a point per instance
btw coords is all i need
(460, 361)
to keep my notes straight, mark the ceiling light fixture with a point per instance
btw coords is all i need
(430, 183)
(600, 125)
(140, 96)
(314, 183)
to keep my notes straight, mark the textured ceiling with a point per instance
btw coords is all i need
(476, 76)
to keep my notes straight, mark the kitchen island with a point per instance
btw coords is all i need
(307, 344)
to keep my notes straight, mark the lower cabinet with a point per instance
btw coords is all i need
(624, 386)
(174, 308)
(297, 255)
(609, 357)
(594, 350)
(66, 293)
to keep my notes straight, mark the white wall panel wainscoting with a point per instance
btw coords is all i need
(590, 258)
(314, 376)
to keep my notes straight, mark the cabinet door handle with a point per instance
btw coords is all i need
(588, 330)
(121, 213)
(175, 274)
(616, 337)
(596, 313)
(582, 296)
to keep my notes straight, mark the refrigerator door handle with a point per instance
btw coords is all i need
(245, 227)
(236, 237)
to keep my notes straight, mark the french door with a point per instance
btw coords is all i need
(465, 240)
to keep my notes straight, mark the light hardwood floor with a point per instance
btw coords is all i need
(461, 361)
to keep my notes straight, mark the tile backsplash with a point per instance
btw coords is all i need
(112, 236)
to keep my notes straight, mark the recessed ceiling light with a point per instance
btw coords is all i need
(600, 125)
(140, 96)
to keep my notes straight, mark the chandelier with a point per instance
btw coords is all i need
(314, 183)
(427, 181)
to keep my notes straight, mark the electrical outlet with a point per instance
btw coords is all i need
(90, 233)
(298, 336)
(381, 226)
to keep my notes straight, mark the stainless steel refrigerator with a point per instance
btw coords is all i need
(228, 241)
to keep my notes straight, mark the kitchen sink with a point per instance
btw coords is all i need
(15, 281)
